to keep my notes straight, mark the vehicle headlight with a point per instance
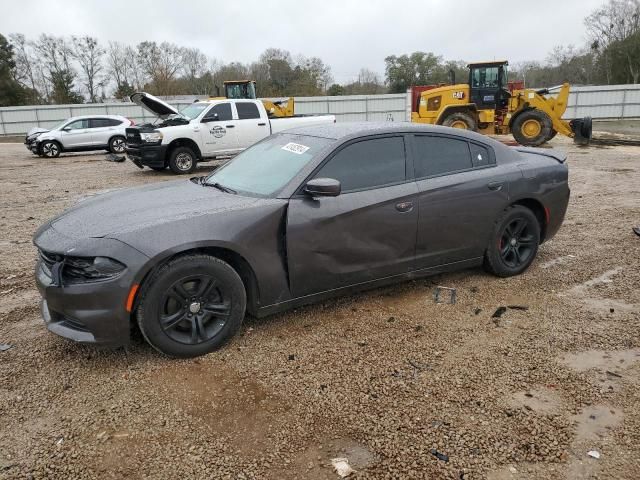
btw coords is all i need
(79, 269)
(151, 137)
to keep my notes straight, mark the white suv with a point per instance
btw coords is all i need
(78, 134)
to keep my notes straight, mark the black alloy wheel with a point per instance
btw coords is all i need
(517, 243)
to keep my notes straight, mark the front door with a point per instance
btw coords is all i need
(367, 232)
(218, 131)
(461, 193)
(484, 86)
(76, 134)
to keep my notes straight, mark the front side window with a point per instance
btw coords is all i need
(367, 164)
(219, 112)
(78, 124)
(440, 155)
(267, 167)
(485, 77)
(247, 110)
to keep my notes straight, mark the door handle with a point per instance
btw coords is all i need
(230, 126)
(404, 207)
(497, 186)
(261, 124)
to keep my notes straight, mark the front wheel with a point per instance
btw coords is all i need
(182, 160)
(514, 242)
(50, 149)
(191, 306)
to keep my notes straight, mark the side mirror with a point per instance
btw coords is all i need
(323, 187)
(212, 118)
(66, 129)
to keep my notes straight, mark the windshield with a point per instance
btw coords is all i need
(268, 166)
(192, 111)
(60, 125)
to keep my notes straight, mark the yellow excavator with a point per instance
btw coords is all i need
(488, 106)
(246, 89)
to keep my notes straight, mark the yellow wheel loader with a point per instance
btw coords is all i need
(246, 89)
(486, 105)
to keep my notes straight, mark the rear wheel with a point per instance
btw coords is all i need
(50, 149)
(182, 160)
(191, 306)
(514, 243)
(532, 128)
(117, 145)
(461, 120)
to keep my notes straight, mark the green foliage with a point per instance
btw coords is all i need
(11, 92)
(63, 90)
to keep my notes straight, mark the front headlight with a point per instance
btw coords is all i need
(79, 269)
(151, 137)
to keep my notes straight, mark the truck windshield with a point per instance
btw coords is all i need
(265, 168)
(192, 111)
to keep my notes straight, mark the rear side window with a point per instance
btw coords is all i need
(247, 110)
(480, 156)
(440, 155)
(367, 164)
(222, 109)
(104, 122)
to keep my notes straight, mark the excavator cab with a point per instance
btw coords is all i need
(488, 85)
(240, 89)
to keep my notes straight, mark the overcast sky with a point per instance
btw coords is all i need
(346, 34)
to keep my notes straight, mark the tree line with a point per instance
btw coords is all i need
(60, 70)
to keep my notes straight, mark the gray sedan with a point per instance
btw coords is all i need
(302, 216)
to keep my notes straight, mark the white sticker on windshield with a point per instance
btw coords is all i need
(295, 148)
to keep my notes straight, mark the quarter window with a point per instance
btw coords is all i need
(247, 110)
(222, 109)
(441, 155)
(367, 164)
(480, 155)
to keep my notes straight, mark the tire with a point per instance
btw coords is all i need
(182, 160)
(532, 128)
(514, 242)
(552, 135)
(50, 149)
(461, 120)
(158, 169)
(201, 300)
(117, 145)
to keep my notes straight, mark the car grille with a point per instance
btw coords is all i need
(133, 136)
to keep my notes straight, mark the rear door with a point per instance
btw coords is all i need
(76, 134)
(367, 232)
(218, 130)
(250, 127)
(461, 193)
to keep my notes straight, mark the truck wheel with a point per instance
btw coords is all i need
(461, 120)
(182, 160)
(532, 128)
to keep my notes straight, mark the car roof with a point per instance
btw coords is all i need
(82, 117)
(349, 130)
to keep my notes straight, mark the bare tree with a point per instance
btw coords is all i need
(88, 53)
(194, 66)
(161, 63)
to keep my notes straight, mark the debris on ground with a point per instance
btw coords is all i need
(5, 292)
(342, 467)
(636, 230)
(4, 347)
(111, 157)
(594, 454)
(523, 308)
(440, 456)
(11, 277)
(499, 312)
(437, 294)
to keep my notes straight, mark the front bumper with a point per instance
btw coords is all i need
(89, 312)
(147, 155)
(32, 146)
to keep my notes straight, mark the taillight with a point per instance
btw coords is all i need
(131, 122)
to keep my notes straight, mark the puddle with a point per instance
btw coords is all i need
(558, 261)
(595, 422)
(613, 361)
(542, 400)
(596, 303)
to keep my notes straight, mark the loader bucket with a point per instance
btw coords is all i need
(582, 128)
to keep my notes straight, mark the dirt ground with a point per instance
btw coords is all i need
(385, 379)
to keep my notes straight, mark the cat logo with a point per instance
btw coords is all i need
(458, 95)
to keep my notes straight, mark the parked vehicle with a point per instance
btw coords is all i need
(203, 131)
(299, 217)
(80, 134)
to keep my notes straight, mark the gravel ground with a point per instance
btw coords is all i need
(383, 378)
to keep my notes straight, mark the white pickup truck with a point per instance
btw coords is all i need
(203, 131)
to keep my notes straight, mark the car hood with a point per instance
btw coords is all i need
(35, 130)
(123, 211)
(154, 105)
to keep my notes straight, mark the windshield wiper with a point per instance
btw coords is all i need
(219, 187)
